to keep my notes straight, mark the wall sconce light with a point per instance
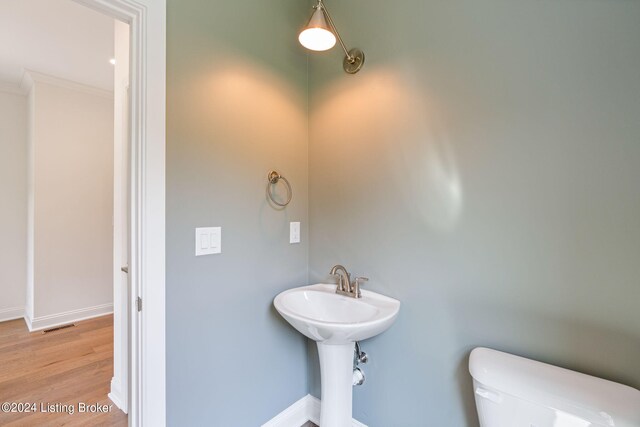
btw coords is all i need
(320, 34)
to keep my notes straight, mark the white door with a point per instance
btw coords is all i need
(121, 219)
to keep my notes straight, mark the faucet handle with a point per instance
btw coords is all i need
(356, 285)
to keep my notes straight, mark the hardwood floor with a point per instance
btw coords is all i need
(65, 367)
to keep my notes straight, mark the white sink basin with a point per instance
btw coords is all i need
(335, 322)
(319, 313)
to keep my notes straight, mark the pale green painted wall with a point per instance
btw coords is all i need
(236, 107)
(483, 168)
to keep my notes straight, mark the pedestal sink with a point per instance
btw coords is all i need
(336, 322)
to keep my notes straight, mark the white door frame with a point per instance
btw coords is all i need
(147, 376)
(119, 393)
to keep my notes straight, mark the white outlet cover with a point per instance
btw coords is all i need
(208, 240)
(294, 232)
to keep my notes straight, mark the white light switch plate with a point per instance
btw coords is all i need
(208, 240)
(294, 232)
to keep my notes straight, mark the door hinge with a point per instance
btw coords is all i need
(139, 303)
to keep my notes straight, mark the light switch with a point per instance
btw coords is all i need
(216, 240)
(204, 241)
(294, 232)
(208, 240)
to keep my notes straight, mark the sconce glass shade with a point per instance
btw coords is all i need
(317, 35)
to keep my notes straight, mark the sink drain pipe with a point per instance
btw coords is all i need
(358, 358)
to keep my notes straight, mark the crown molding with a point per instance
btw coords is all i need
(26, 83)
(30, 77)
(12, 88)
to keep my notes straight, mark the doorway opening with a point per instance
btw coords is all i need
(68, 173)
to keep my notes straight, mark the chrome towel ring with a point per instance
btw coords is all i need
(274, 177)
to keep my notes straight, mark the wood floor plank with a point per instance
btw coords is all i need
(67, 366)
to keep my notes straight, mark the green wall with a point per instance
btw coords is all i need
(236, 108)
(484, 169)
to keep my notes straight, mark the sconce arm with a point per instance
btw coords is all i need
(350, 58)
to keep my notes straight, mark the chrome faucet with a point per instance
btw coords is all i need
(344, 279)
(345, 287)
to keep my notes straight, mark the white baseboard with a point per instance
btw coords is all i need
(305, 409)
(27, 320)
(294, 416)
(53, 320)
(116, 395)
(11, 313)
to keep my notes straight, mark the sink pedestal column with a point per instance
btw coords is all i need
(336, 376)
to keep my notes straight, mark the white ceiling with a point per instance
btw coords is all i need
(56, 37)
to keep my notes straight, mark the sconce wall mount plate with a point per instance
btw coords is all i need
(353, 62)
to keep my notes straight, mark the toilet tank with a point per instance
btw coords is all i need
(512, 391)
